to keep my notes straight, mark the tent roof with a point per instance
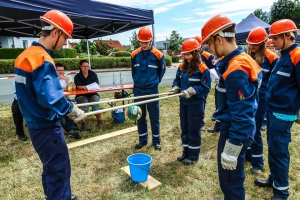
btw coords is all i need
(244, 27)
(91, 18)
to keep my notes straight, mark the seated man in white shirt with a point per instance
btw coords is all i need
(68, 124)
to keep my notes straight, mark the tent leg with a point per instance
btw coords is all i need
(153, 32)
(88, 51)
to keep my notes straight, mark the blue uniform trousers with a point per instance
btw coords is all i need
(231, 181)
(255, 154)
(51, 147)
(190, 120)
(153, 110)
(279, 137)
(217, 125)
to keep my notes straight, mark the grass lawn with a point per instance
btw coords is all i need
(96, 167)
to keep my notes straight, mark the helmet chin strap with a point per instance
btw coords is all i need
(284, 36)
(60, 33)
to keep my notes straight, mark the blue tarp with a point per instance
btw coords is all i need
(244, 27)
(91, 18)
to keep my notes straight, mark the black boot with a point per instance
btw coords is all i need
(263, 183)
(85, 127)
(188, 161)
(182, 157)
(22, 137)
(73, 197)
(157, 147)
(140, 145)
(74, 134)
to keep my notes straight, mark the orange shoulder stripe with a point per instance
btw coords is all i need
(245, 63)
(270, 55)
(202, 67)
(136, 52)
(32, 58)
(157, 53)
(295, 55)
(180, 66)
(206, 54)
(221, 58)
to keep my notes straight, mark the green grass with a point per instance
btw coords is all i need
(96, 167)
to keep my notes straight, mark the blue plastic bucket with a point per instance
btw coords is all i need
(119, 116)
(139, 166)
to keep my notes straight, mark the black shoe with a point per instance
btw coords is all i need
(74, 134)
(157, 147)
(263, 128)
(188, 161)
(213, 130)
(85, 127)
(22, 137)
(140, 145)
(278, 198)
(255, 171)
(100, 124)
(73, 197)
(181, 158)
(263, 183)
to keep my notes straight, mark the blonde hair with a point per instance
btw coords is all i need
(259, 55)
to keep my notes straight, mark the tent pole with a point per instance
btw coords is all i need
(88, 51)
(153, 32)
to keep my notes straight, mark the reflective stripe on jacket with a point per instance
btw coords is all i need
(40, 95)
(237, 87)
(283, 95)
(147, 68)
(199, 80)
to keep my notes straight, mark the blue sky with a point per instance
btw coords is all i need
(187, 16)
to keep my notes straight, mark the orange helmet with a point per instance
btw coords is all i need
(189, 45)
(269, 43)
(215, 25)
(257, 35)
(58, 20)
(145, 34)
(282, 26)
(199, 39)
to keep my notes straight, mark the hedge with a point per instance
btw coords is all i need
(7, 65)
(10, 53)
(175, 59)
(65, 53)
(168, 60)
(122, 54)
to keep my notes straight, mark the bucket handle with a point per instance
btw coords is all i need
(118, 117)
(145, 169)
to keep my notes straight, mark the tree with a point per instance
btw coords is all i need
(134, 40)
(102, 47)
(282, 9)
(81, 47)
(296, 15)
(265, 16)
(175, 41)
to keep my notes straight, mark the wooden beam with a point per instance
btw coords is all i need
(150, 183)
(101, 137)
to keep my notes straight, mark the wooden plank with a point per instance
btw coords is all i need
(101, 137)
(150, 183)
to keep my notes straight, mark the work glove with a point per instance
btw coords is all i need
(230, 155)
(174, 90)
(76, 114)
(188, 92)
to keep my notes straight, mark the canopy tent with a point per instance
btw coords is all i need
(91, 18)
(244, 27)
